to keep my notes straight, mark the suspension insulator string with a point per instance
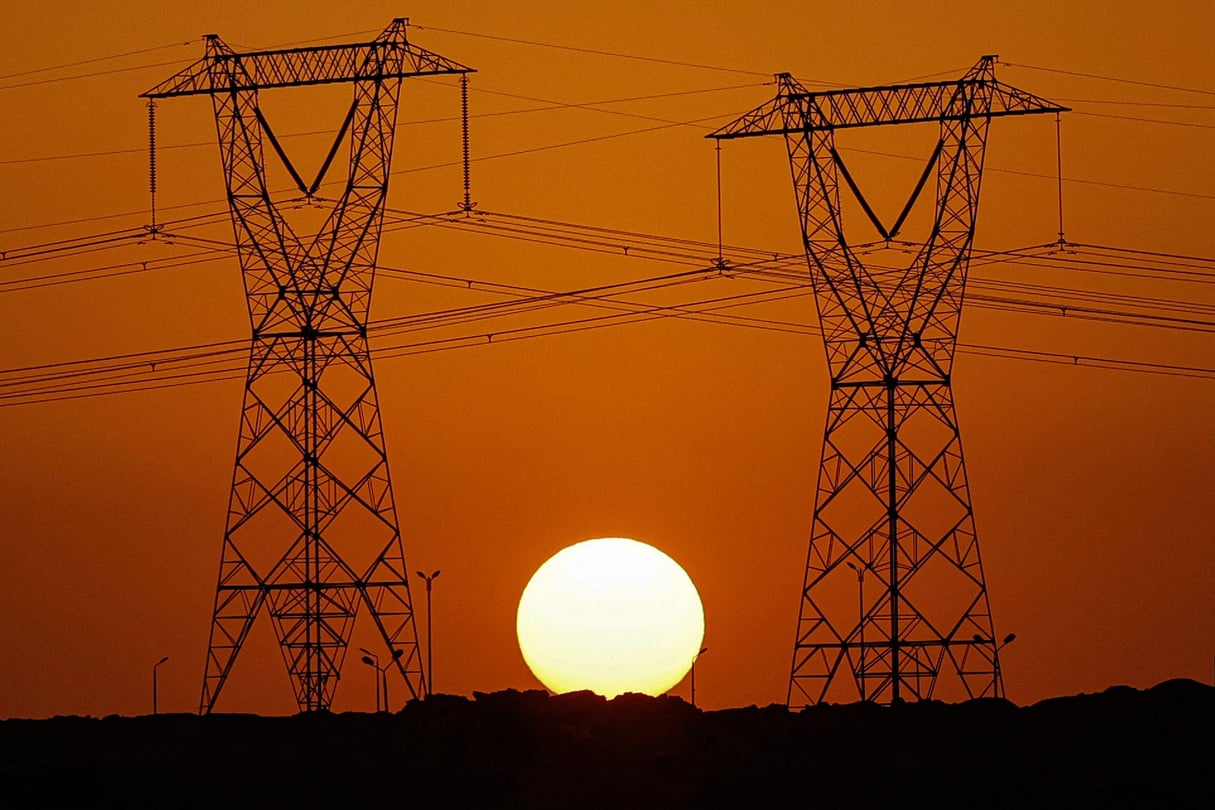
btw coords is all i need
(721, 262)
(468, 204)
(154, 228)
(1059, 170)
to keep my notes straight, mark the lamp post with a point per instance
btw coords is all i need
(372, 660)
(430, 661)
(156, 686)
(384, 674)
(860, 590)
(995, 658)
(703, 650)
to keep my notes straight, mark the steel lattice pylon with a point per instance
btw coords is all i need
(893, 502)
(312, 531)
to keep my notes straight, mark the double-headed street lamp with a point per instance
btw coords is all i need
(430, 661)
(995, 656)
(860, 588)
(156, 685)
(372, 660)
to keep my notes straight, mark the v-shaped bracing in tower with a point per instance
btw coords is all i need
(894, 603)
(312, 536)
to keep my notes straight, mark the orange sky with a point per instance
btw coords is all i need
(1091, 487)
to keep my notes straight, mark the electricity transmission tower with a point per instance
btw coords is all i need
(893, 509)
(312, 534)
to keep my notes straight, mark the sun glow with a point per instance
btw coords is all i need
(611, 615)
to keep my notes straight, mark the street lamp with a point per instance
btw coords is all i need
(155, 686)
(372, 660)
(703, 650)
(995, 657)
(430, 661)
(860, 589)
(384, 673)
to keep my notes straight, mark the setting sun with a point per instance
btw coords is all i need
(610, 615)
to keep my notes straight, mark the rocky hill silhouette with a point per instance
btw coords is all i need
(1119, 748)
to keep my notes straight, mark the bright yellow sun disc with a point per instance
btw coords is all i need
(610, 615)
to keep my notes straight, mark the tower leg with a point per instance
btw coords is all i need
(893, 505)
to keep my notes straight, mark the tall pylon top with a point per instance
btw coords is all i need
(389, 56)
(796, 109)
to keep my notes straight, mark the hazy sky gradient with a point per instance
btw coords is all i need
(1091, 487)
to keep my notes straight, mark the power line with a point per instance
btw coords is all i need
(597, 52)
(104, 217)
(25, 255)
(567, 233)
(1123, 103)
(1104, 259)
(448, 164)
(597, 106)
(1109, 78)
(32, 252)
(60, 381)
(117, 370)
(1061, 301)
(1066, 302)
(93, 60)
(90, 75)
(1051, 177)
(563, 144)
(106, 272)
(1142, 120)
(1176, 267)
(344, 37)
(94, 74)
(59, 393)
(549, 106)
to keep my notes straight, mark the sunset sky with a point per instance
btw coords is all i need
(1092, 486)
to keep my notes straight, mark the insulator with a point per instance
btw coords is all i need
(152, 146)
(152, 159)
(464, 133)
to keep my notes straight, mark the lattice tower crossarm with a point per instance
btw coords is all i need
(312, 534)
(894, 602)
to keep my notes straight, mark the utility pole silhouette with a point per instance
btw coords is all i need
(312, 534)
(892, 494)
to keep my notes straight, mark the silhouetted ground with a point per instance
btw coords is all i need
(1120, 748)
